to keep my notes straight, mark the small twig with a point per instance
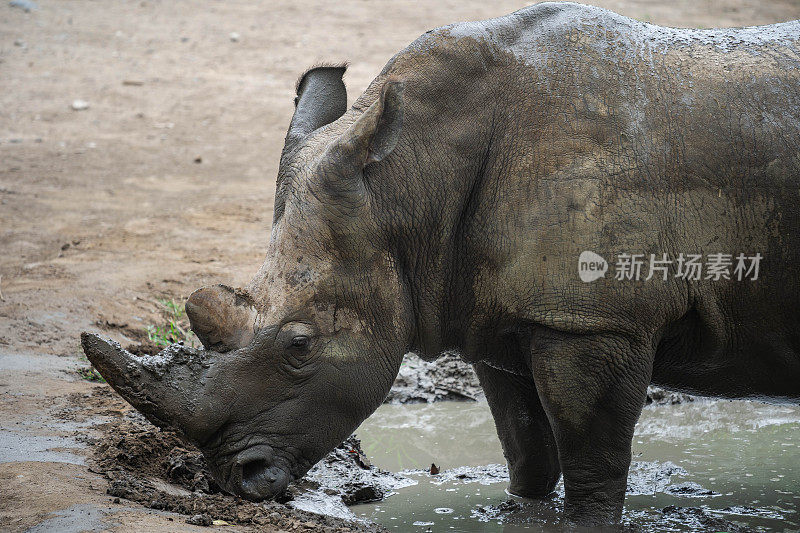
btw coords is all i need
(1, 290)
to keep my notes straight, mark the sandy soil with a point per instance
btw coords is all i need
(164, 184)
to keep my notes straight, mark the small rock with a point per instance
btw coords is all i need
(689, 488)
(198, 160)
(234, 37)
(80, 105)
(25, 5)
(20, 43)
(434, 469)
(200, 520)
(362, 494)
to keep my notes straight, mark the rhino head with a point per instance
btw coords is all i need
(296, 360)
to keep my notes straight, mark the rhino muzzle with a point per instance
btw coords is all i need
(167, 389)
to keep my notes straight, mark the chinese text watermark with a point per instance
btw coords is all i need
(692, 267)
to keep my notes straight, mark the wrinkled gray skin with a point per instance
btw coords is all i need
(447, 209)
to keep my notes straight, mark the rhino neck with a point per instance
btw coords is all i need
(428, 206)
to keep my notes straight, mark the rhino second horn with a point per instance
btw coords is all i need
(221, 317)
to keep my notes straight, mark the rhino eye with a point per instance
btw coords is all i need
(296, 337)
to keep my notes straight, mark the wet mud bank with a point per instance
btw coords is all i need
(446, 378)
(450, 378)
(157, 469)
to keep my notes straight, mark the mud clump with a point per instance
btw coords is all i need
(545, 512)
(346, 472)
(133, 445)
(484, 513)
(659, 396)
(200, 520)
(651, 477)
(699, 519)
(451, 378)
(446, 378)
(690, 489)
(159, 470)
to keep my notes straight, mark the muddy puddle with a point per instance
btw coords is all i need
(699, 466)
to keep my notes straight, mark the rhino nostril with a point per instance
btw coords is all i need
(255, 470)
(256, 476)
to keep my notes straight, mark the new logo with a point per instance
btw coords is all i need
(591, 266)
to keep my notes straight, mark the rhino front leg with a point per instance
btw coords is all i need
(592, 388)
(524, 431)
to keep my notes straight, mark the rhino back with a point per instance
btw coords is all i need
(563, 128)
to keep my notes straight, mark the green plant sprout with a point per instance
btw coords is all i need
(176, 328)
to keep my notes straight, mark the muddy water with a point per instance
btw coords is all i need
(731, 461)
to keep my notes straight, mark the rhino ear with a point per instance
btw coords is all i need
(374, 134)
(321, 99)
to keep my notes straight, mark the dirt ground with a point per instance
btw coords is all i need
(162, 185)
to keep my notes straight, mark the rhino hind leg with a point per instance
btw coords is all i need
(592, 388)
(524, 431)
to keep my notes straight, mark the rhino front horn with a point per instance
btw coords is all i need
(163, 387)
